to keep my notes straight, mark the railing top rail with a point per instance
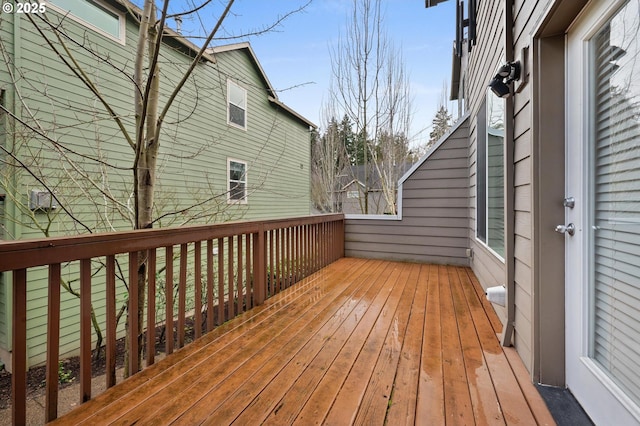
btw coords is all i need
(45, 251)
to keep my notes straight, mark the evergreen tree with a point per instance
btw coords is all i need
(441, 124)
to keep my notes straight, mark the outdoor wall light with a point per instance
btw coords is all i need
(507, 73)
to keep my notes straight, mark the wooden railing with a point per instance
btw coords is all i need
(234, 266)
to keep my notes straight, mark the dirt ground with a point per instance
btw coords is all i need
(69, 387)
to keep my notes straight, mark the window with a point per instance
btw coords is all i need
(98, 17)
(237, 105)
(490, 174)
(237, 184)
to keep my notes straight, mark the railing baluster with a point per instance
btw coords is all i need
(309, 252)
(320, 246)
(53, 343)
(197, 316)
(134, 326)
(182, 294)
(230, 280)
(210, 318)
(110, 352)
(85, 330)
(278, 259)
(271, 279)
(305, 253)
(318, 255)
(290, 255)
(287, 257)
(330, 242)
(259, 271)
(341, 238)
(334, 227)
(298, 253)
(240, 277)
(220, 281)
(325, 245)
(151, 307)
(249, 297)
(294, 255)
(19, 348)
(168, 290)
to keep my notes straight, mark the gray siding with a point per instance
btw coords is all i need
(485, 58)
(435, 216)
(483, 61)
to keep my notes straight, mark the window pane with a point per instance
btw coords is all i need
(237, 181)
(495, 190)
(495, 173)
(236, 190)
(93, 14)
(236, 115)
(490, 173)
(236, 170)
(237, 95)
(481, 174)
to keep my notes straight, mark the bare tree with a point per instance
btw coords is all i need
(328, 162)
(371, 86)
(392, 149)
(112, 184)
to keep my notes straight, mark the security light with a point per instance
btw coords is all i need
(507, 73)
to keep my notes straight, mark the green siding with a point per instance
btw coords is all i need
(192, 164)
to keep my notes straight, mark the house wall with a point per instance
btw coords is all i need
(192, 163)
(540, 130)
(433, 226)
(538, 172)
(483, 61)
(377, 203)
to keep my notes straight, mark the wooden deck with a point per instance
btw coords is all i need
(361, 341)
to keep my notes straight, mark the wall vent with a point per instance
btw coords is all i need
(42, 200)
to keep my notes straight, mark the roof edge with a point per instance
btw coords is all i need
(273, 96)
(131, 9)
(295, 114)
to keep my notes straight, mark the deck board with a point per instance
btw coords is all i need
(359, 342)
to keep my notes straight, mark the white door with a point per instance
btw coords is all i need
(603, 176)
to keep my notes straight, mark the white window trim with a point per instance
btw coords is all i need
(122, 20)
(245, 200)
(246, 105)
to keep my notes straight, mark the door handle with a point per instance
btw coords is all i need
(566, 229)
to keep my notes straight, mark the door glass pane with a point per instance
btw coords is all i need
(615, 199)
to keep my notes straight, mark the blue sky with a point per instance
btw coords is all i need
(296, 59)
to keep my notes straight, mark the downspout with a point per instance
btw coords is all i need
(509, 187)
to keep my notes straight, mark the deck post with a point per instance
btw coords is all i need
(19, 348)
(85, 330)
(341, 230)
(53, 344)
(134, 327)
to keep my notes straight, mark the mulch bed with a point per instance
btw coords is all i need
(71, 367)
